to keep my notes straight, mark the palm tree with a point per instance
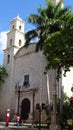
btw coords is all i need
(3, 74)
(48, 20)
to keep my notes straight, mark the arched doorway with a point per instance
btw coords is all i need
(25, 109)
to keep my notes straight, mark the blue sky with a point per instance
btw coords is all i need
(11, 8)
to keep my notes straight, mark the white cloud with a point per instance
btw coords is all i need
(3, 40)
(68, 82)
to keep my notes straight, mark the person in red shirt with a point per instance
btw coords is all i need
(17, 120)
(7, 117)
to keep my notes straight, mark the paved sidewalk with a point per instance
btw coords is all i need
(13, 125)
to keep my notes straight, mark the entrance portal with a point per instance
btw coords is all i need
(25, 109)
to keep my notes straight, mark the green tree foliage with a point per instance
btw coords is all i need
(3, 74)
(66, 111)
(59, 47)
(48, 20)
(53, 28)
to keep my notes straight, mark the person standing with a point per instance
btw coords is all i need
(17, 120)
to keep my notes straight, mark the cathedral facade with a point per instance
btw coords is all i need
(26, 85)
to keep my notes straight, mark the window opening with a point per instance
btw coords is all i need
(10, 42)
(13, 27)
(20, 27)
(19, 42)
(8, 59)
(26, 79)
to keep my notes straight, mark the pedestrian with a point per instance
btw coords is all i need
(7, 117)
(17, 120)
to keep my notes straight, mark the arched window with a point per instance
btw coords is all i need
(8, 58)
(13, 27)
(20, 42)
(20, 27)
(10, 42)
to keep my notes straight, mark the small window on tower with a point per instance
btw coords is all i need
(10, 42)
(20, 27)
(8, 59)
(19, 42)
(13, 27)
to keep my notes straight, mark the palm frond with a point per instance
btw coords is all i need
(62, 12)
(30, 35)
(34, 19)
(50, 10)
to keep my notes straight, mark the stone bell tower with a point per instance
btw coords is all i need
(15, 40)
